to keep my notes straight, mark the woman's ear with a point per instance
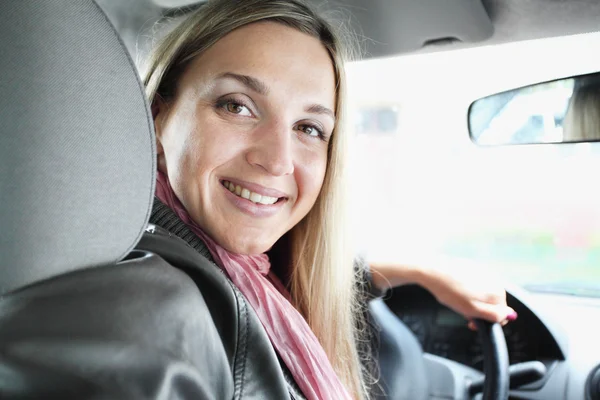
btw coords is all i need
(159, 112)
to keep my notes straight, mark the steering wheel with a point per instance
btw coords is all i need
(495, 360)
(402, 366)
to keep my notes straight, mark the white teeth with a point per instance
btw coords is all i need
(255, 197)
(246, 194)
(268, 200)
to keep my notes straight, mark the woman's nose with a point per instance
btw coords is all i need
(272, 150)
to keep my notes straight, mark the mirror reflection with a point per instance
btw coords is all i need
(564, 110)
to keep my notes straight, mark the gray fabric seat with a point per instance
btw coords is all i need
(76, 142)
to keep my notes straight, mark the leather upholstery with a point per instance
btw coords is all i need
(136, 330)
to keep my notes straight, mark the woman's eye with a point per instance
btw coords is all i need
(238, 109)
(310, 130)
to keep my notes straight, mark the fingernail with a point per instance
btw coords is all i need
(512, 316)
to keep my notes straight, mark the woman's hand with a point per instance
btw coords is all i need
(463, 286)
(470, 292)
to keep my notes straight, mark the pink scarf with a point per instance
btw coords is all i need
(287, 329)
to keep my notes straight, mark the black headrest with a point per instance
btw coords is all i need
(77, 149)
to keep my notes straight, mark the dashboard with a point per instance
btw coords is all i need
(444, 333)
(562, 332)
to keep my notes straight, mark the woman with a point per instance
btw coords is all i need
(248, 103)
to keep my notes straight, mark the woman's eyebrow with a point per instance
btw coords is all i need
(250, 82)
(320, 109)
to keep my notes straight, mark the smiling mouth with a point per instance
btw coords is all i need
(256, 198)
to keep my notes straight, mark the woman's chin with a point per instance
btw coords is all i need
(246, 246)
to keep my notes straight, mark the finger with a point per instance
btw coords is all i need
(493, 298)
(492, 312)
(512, 315)
(472, 326)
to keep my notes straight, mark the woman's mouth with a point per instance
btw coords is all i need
(247, 194)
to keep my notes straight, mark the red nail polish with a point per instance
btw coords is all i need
(512, 316)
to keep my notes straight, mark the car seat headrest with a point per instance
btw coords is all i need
(77, 144)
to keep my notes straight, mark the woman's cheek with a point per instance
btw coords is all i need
(311, 175)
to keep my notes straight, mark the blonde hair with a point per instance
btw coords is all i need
(582, 120)
(323, 282)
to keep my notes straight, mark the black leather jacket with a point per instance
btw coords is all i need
(254, 369)
(166, 323)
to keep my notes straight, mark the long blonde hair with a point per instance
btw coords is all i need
(323, 283)
(582, 120)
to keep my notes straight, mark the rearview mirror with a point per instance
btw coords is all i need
(564, 110)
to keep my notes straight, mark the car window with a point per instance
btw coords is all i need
(421, 188)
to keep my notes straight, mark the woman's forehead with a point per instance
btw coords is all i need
(281, 58)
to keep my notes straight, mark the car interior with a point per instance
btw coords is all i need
(79, 163)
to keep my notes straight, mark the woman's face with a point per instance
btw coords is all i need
(244, 142)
